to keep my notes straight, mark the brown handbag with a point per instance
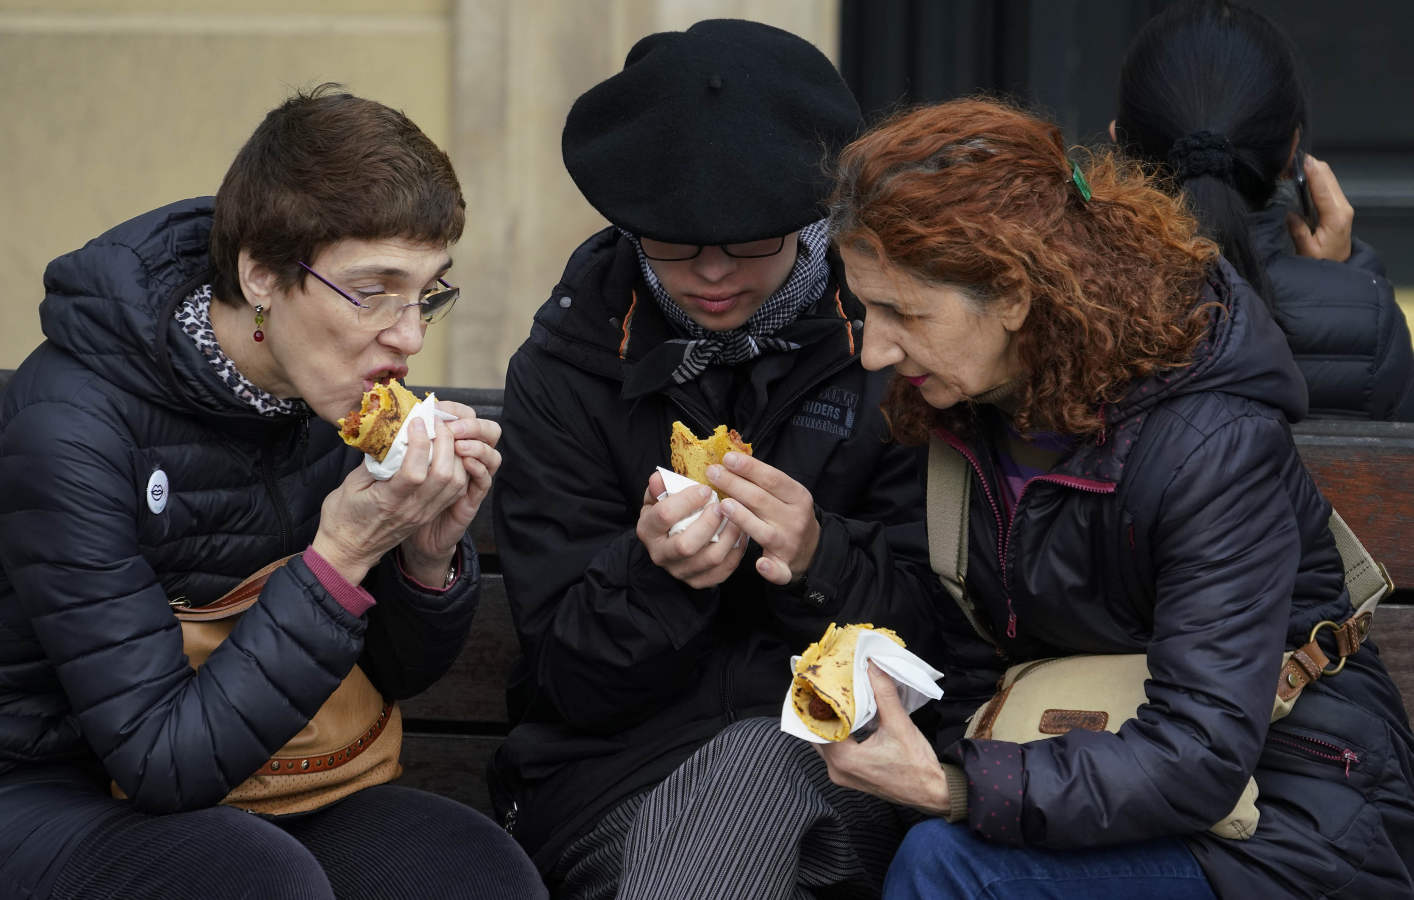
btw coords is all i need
(353, 741)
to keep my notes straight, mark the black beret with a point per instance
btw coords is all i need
(713, 135)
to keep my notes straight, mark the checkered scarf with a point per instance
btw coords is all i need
(702, 348)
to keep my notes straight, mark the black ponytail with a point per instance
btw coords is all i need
(1209, 95)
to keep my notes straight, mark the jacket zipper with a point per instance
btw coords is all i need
(267, 471)
(727, 694)
(1004, 531)
(1321, 750)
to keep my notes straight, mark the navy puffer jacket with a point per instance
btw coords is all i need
(91, 661)
(1341, 320)
(1191, 532)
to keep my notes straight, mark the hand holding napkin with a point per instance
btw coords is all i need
(832, 678)
(425, 413)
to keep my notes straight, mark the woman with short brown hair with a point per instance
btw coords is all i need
(1122, 401)
(175, 434)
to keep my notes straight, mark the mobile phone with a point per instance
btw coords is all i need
(1303, 191)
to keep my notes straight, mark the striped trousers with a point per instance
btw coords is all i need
(752, 814)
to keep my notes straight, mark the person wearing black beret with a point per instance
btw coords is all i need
(647, 758)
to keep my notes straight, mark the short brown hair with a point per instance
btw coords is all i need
(322, 167)
(979, 194)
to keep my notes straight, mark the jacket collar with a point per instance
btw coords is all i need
(1244, 353)
(1267, 228)
(601, 319)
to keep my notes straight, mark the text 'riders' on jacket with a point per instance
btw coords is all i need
(1192, 531)
(91, 662)
(626, 671)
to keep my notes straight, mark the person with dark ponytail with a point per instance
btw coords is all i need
(1210, 95)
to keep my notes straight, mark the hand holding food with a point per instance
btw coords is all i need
(474, 443)
(897, 762)
(774, 510)
(822, 690)
(691, 455)
(690, 555)
(420, 505)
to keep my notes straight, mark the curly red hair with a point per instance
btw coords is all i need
(979, 194)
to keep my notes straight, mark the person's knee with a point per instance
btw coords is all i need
(929, 862)
(264, 861)
(751, 739)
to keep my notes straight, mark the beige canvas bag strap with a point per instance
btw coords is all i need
(949, 489)
(1366, 580)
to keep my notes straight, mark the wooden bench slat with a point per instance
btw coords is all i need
(1359, 467)
(451, 765)
(1394, 635)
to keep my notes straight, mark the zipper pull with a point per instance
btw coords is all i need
(1011, 625)
(1350, 758)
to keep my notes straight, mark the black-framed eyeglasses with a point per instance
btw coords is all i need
(666, 252)
(380, 311)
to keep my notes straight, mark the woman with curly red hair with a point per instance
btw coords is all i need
(1122, 401)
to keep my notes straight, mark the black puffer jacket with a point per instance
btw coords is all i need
(1192, 532)
(91, 661)
(627, 671)
(1341, 320)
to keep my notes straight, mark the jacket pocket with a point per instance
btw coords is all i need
(1325, 759)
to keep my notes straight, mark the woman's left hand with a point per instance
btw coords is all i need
(896, 762)
(774, 510)
(429, 550)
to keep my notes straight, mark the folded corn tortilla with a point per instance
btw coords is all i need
(822, 691)
(374, 425)
(691, 456)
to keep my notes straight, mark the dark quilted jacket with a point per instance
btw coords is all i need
(1192, 532)
(91, 661)
(626, 671)
(1344, 327)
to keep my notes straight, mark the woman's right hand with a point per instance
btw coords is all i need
(365, 518)
(690, 556)
(1331, 239)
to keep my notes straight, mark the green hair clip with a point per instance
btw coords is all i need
(1081, 184)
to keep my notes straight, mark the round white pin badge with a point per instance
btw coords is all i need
(157, 491)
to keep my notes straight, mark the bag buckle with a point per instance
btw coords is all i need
(1360, 627)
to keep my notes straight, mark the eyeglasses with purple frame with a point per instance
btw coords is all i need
(383, 310)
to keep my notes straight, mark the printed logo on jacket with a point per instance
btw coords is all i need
(831, 411)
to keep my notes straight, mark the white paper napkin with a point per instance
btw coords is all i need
(916, 680)
(673, 483)
(426, 412)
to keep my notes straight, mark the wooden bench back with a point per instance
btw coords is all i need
(453, 728)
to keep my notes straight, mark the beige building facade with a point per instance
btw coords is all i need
(113, 107)
(118, 106)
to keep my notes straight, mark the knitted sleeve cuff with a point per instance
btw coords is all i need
(957, 792)
(350, 596)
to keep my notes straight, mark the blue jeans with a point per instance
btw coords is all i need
(939, 860)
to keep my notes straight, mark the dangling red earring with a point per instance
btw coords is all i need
(259, 321)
